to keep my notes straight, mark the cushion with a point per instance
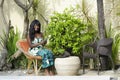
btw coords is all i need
(24, 45)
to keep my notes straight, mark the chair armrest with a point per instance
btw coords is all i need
(85, 47)
(105, 42)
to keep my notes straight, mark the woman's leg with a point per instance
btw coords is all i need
(51, 70)
(47, 60)
(47, 72)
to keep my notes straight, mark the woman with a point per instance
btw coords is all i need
(36, 42)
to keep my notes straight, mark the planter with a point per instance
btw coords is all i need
(67, 66)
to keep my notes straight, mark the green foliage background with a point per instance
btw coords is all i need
(67, 31)
(21, 61)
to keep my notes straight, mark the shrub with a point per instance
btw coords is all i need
(68, 32)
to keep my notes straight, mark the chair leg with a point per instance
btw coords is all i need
(29, 65)
(35, 67)
(113, 67)
(83, 64)
(95, 63)
(98, 59)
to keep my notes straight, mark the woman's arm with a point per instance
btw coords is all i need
(33, 45)
(44, 41)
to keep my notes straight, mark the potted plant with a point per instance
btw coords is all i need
(67, 33)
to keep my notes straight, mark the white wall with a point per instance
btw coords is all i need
(17, 17)
(60, 5)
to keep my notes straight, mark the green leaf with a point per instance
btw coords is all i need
(68, 31)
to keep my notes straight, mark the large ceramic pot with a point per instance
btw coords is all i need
(67, 66)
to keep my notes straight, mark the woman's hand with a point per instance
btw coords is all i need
(44, 42)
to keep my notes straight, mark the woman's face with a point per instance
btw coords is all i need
(36, 28)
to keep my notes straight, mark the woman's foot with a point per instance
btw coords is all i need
(47, 72)
(51, 73)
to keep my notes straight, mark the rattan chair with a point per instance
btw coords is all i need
(23, 46)
(91, 54)
(104, 49)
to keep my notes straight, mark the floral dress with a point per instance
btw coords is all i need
(47, 56)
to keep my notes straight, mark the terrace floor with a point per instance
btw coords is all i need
(89, 75)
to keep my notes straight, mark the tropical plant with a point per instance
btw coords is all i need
(115, 48)
(35, 7)
(116, 42)
(83, 12)
(11, 42)
(13, 37)
(114, 32)
(21, 61)
(68, 32)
